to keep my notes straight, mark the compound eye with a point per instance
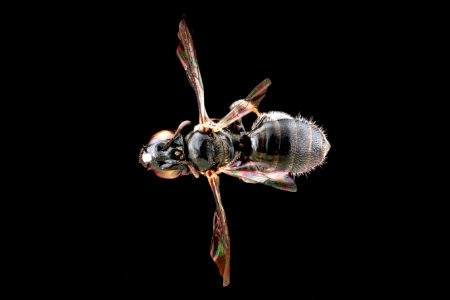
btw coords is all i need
(168, 174)
(161, 136)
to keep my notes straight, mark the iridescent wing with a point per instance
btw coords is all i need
(241, 108)
(254, 172)
(186, 54)
(220, 244)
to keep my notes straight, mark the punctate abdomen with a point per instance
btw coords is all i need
(292, 145)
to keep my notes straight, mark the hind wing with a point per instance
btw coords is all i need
(254, 172)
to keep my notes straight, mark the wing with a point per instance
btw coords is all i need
(254, 172)
(188, 58)
(220, 244)
(241, 108)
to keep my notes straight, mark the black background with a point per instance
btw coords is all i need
(115, 78)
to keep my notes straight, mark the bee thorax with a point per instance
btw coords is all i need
(209, 151)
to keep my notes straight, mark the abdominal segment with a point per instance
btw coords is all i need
(292, 145)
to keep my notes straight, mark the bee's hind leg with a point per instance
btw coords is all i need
(242, 107)
(238, 125)
(256, 111)
(236, 103)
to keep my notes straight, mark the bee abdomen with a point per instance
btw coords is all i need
(292, 145)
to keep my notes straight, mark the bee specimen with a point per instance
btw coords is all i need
(276, 149)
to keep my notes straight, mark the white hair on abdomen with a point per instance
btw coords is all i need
(278, 115)
(276, 130)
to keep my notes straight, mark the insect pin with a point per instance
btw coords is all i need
(277, 148)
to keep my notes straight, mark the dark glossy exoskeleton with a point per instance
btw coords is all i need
(276, 149)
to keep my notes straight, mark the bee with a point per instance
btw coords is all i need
(277, 148)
